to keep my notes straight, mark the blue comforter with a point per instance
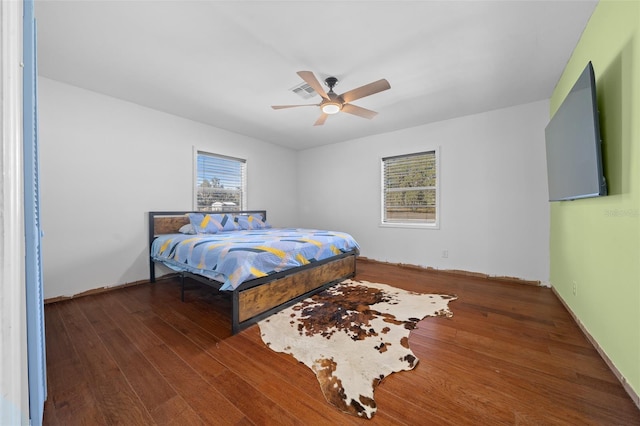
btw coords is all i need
(235, 257)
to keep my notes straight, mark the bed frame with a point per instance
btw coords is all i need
(259, 298)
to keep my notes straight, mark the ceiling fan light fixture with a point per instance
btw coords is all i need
(331, 108)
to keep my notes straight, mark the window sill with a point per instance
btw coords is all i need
(410, 225)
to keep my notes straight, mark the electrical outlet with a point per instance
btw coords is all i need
(445, 253)
(575, 288)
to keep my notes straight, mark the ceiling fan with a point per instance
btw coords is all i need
(332, 103)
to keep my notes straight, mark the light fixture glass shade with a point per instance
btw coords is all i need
(330, 108)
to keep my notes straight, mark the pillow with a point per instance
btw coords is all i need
(213, 223)
(224, 222)
(252, 222)
(202, 223)
(187, 229)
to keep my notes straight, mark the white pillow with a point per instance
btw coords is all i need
(187, 229)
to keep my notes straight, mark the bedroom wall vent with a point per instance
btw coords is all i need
(303, 90)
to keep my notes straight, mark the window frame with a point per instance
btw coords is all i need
(414, 225)
(243, 178)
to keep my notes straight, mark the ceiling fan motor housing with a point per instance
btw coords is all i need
(334, 104)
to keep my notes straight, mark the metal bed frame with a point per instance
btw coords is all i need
(259, 298)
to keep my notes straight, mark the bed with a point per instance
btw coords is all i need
(292, 264)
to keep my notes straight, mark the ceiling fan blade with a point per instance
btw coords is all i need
(359, 111)
(366, 90)
(291, 106)
(320, 121)
(312, 81)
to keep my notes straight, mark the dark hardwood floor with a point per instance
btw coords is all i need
(511, 354)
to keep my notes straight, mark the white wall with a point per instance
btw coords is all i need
(493, 194)
(105, 163)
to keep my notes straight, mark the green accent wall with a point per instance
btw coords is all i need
(596, 242)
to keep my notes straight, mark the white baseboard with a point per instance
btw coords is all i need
(627, 387)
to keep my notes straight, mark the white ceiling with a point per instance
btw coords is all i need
(225, 63)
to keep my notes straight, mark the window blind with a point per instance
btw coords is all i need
(409, 188)
(220, 182)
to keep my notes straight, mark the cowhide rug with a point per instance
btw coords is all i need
(352, 336)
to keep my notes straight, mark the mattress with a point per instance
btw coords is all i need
(237, 256)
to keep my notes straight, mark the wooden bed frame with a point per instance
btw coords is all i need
(259, 298)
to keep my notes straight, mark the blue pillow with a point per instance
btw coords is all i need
(224, 222)
(252, 222)
(202, 223)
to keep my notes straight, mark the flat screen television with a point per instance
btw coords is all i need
(573, 144)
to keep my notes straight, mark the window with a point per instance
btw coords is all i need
(220, 183)
(410, 190)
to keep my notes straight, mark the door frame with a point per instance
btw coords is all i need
(13, 344)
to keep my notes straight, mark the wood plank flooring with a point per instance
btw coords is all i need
(511, 354)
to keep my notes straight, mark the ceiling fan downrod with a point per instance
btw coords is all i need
(330, 82)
